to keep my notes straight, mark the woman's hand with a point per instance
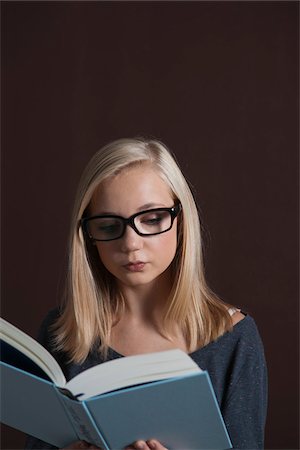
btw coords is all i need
(151, 444)
(80, 445)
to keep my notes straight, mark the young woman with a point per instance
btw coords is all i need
(136, 285)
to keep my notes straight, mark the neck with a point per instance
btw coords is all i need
(147, 302)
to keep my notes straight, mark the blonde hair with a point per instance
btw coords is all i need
(92, 302)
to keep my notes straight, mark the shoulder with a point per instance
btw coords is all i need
(244, 325)
(244, 348)
(244, 331)
(244, 334)
(237, 355)
(243, 343)
(244, 401)
(236, 317)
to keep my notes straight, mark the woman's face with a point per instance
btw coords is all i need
(133, 259)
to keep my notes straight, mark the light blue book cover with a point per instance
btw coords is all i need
(31, 404)
(180, 412)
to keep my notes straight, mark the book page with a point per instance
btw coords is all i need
(131, 370)
(33, 350)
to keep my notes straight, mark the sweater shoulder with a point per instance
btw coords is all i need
(244, 333)
(243, 340)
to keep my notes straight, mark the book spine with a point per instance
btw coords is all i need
(83, 423)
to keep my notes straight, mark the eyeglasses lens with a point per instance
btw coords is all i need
(105, 228)
(153, 222)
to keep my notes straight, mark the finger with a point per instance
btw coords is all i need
(153, 444)
(78, 445)
(140, 445)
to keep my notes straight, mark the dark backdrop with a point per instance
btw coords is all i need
(217, 82)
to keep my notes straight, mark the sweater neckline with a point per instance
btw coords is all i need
(195, 352)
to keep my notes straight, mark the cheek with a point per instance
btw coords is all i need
(165, 247)
(105, 253)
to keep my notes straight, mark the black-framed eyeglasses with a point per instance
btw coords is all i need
(144, 223)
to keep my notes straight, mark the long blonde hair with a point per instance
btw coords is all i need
(92, 301)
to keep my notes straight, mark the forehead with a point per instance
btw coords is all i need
(130, 189)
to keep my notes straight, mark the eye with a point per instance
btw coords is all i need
(152, 219)
(104, 227)
(108, 227)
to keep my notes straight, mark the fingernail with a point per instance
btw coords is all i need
(152, 444)
(140, 444)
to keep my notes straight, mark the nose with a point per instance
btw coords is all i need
(131, 241)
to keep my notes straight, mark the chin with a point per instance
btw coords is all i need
(137, 283)
(139, 279)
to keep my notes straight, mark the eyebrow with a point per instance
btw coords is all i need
(141, 208)
(151, 205)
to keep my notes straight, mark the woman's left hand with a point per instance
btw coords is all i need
(151, 444)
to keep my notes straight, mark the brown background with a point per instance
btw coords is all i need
(217, 82)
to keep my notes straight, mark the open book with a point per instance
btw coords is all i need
(164, 395)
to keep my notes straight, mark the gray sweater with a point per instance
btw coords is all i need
(237, 368)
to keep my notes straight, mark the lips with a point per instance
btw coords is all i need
(136, 266)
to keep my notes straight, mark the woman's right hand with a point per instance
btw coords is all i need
(80, 445)
(151, 444)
